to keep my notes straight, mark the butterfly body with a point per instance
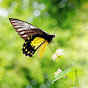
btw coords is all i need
(33, 36)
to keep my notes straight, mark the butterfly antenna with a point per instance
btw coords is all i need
(50, 48)
(54, 34)
(56, 30)
(54, 44)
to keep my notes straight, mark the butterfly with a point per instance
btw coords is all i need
(34, 37)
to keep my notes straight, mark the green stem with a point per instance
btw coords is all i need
(66, 63)
(67, 84)
(76, 78)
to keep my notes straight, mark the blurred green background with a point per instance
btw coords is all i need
(71, 19)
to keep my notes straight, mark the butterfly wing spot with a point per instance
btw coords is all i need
(26, 50)
(21, 32)
(31, 26)
(24, 47)
(20, 29)
(19, 26)
(28, 38)
(25, 42)
(31, 36)
(32, 51)
(24, 36)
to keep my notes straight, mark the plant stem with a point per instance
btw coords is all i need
(67, 84)
(76, 78)
(66, 63)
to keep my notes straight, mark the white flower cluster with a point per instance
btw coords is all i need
(58, 71)
(57, 54)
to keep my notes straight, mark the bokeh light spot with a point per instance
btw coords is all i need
(45, 14)
(42, 86)
(14, 4)
(61, 4)
(29, 86)
(42, 6)
(35, 4)
(33, 82)
(11, 10)
(3, 12)
(0, 1)
(30, 19)
(36, 12)
(64, 0)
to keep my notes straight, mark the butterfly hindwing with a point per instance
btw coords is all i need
(32, 44)
(24, 29)
(42, 49)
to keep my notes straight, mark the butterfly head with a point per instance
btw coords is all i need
(52, 36)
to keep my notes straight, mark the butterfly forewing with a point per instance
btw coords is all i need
(24, 29)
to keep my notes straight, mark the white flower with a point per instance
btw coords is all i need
(57, 54)
(54, 56)
(58, 71)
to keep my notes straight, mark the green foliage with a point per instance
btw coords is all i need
(62, 74)
(71, 74)
(71, 18)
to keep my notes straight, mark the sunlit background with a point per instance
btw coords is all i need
(69, 17)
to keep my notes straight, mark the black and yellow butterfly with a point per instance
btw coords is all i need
(33, 36)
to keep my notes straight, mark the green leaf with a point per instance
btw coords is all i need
(62, 74)
(71, 75)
